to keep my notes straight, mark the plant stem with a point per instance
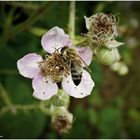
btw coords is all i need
(43, 106)
(33, 17)
(25, 108)
(7, 99)
(71, 25)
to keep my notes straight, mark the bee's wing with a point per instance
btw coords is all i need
(87, 69)
(85, 65)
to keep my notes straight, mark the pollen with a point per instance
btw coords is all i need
(54, 67)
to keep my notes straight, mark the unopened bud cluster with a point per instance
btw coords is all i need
(120, 67)
(61, 118)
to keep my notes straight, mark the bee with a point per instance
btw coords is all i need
(74, 61)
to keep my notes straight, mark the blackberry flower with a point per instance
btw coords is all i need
(47, 72)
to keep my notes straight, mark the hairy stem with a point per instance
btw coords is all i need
(43, 106)
(7, 99)
(24, 108)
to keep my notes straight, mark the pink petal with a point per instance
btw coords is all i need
(80, 91)
(55, 39)
(44, 88)
(28, 65)
(86, 54)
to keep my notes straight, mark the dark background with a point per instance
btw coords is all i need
(111, 111)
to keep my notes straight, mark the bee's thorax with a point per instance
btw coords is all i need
(70, 56)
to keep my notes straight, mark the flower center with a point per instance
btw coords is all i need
(54, 67)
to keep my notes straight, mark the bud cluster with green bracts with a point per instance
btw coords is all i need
(102, 32)
(57, 109)
(62, 119)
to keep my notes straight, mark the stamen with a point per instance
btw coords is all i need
(55, 67)
(103, 28)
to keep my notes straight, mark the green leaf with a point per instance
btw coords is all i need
(22, 125)
(133, 128)
(110, 123)
(20, 90)
(92, 116)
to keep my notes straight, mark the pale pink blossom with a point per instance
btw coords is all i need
(44, 86)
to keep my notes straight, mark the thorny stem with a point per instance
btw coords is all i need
(42, 106)
(7, 99)
(71, 25)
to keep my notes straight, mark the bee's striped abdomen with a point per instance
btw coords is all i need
(76, 73)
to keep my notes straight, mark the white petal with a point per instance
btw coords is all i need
(80, 91)
(55, 39)
(44, 88)
(28, 66)
(114, 44)
(86, 54)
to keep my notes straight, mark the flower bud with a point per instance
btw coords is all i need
(123, 70)
(107, 56)
(62, 120)
(120, 67)
(61, 99)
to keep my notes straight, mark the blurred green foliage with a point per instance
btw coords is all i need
(111, 111)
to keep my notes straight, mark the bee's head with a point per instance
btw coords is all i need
(64, 49)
